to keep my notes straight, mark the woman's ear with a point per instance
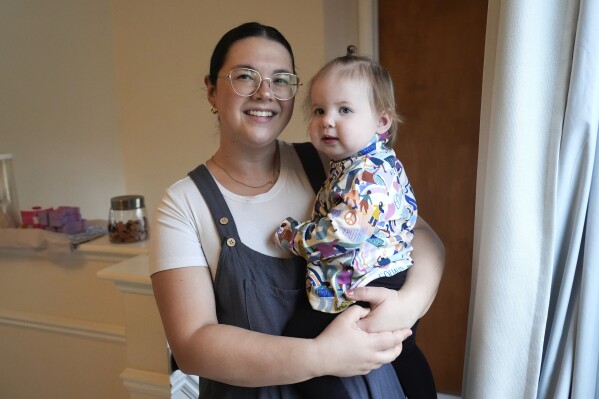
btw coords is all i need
(211, 90)
(384, 123)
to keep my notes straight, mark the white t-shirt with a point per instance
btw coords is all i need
(184, 233)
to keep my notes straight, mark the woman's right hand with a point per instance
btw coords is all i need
(345, 350)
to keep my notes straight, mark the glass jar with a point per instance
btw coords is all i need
(127, 221)
(9, 208)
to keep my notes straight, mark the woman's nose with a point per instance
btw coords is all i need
(264, 89)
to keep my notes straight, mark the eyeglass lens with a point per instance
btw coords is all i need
(247, 81)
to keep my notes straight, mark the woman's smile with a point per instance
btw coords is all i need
(260, 113)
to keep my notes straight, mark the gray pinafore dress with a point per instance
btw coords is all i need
(260, 293)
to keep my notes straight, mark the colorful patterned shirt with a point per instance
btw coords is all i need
(361, 227)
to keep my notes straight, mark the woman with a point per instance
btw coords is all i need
(224, 290)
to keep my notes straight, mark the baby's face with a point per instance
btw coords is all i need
(342, 118)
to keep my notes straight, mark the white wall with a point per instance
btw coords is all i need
(58, 108)
(101, 98)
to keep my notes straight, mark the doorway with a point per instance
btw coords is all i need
(434, 50)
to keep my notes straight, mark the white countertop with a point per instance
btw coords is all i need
(38, 242)
(102, 245)
(129, 263)
(130, 274)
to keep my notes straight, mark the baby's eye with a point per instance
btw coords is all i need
(318, 111)
(344, 110)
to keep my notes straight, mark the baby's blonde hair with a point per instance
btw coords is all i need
(363, 68)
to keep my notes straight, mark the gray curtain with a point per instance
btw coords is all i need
(571, 349)
(534, 311)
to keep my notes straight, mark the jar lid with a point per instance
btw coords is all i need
(126, 202)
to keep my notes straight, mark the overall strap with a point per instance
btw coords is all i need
(312, 164)
(221, 214)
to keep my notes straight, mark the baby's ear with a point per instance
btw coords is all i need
(384, 123)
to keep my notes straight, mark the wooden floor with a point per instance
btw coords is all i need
(445, 396)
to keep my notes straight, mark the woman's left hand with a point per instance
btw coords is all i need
(388, 310)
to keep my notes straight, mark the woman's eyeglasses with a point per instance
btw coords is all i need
(246, 82)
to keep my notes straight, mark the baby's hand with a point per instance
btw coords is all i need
(284, 234)
(387, 311)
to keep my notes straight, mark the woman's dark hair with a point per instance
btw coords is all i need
(249, 29)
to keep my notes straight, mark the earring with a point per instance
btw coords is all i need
(214, 110)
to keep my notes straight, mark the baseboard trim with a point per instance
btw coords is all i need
(62, 325)
(184, 386)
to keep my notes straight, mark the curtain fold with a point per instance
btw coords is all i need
(534, 308)
(570, 361)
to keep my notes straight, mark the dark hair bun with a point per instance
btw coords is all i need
(352, 50)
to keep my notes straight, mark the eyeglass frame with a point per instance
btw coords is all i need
(260, 82)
